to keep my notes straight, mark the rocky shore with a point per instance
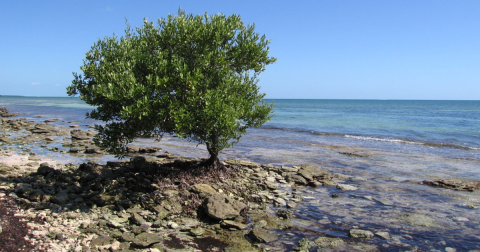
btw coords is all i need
(152, 201)
(155, 203)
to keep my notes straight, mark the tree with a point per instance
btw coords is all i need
(194, 77)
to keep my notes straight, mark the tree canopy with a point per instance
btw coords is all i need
(194, 77)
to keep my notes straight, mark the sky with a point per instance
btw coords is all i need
(325, 49)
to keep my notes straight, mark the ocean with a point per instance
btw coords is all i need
(386, 147)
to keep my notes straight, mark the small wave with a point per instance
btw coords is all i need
(404, 141)
(379, 139)
(302, 131)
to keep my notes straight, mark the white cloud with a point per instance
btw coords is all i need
(35, 83)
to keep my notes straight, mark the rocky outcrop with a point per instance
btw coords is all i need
(5, 113)
(158, 203)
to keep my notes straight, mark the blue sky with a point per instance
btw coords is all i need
(348, 49)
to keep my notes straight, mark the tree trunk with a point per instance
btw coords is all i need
(213, 161)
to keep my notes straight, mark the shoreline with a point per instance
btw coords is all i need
(270, 195)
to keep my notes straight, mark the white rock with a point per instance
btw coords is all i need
(344, 187)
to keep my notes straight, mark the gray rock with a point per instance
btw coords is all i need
(249, 164)
(384, 235)
(146, 240)
(310, 172)
(172, 225)
(260, 224)
(204, 189)
(271, 185)
(161, 212)
(44, 170)
(418, 219)
(344, 187)
(233, 224)
(128, 237)
(329, 242)
(198, 231)
(23, 189)
(262, 235)
(137, 219)
(101, 241)
(221, 207)
(80, 135)
(289, 169)
(60, 198)
(297, 179)
(280, 202)
(360, 233)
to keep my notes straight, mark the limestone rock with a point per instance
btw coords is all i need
(101, 241)
(204, 189)
(146, 240)
(198, 231)
(310, 172)
(162, 213)
(455, 184)
(280, 202)
(344, 187)
(418, 219)
(329, 242)
(249, 164)
(384, 235)
(360, 233)
(297, 179)
(262, 235)
(221, 207)
(233, 224)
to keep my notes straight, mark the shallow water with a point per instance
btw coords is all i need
(388, 158)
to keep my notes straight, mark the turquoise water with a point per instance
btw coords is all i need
(438, 123)
(389, 147)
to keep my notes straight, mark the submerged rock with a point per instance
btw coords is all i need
(456, 184)
(417, 219)
(344, 187)
(360, 233)
(329, 242)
